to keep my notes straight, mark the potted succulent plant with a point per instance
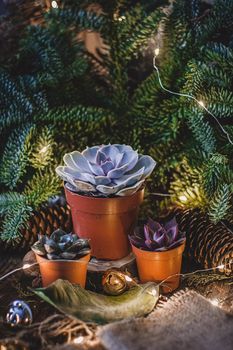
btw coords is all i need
(104, 187)
(63, 256)
(158, 249)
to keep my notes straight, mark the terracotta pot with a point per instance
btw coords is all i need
(107, 222)
(157, 266)
(74, 271)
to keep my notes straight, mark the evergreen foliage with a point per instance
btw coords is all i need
(55, 97)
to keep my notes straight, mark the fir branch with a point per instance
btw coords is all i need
(185, 187)
(9, 91)
(15, 156)
(44, 47)
(43, 185)
(213, 173)
(14, 105)
(42, 151)
(144, 96)
(14, 222)
(74, 114)
(221, 203)
(126, 21)
(140, 35)
(10, 200)
(81, 18)
(18, 100)
(219, 101)
(219, 19)
(202, 131)
(219, 54)
(200, 76)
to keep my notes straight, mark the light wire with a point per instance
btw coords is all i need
(219, 267)
(200, 103)
(24, 267)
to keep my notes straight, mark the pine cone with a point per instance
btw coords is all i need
(208, 244)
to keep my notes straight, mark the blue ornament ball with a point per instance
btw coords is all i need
(19, 314)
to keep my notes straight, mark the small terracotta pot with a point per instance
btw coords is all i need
(107, 222)
(157, 266)
(75, 271)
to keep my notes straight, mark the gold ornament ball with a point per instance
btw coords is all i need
(114, 282)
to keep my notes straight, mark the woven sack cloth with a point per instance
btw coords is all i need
(186, 321)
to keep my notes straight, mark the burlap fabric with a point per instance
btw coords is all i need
(186, 321)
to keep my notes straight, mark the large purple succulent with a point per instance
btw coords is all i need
(156, 237)
(107, 170)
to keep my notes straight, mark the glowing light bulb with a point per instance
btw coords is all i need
(201, 103)
(78, 340)
(220, 267)
(120, 19)
(156, 52)
(214, 302)
(54, 4)
(183, 198)
(153, 292)
(128, 279)
(44, 149)
(26, 266)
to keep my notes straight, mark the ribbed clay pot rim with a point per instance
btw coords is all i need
(164, 255)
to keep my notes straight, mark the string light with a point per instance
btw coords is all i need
(128, 279)
(27, 266)
(44, 149)
(78, 340)
(54, 4)
(153, 292)
(183, 198)
(24, 267)
(156, 52)
(160, 194)
(122, 18)
(200, 103)
(214, 302)
(219, 267)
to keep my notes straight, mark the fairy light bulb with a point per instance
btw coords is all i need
(183, 198)
(26, 266)
(128, 279)
(54, 4)
(122, 18)
(44, 149)
(156, 52)
(201, 103)
(78, 340)
(154, 292)
(220, 267)
(214, 302)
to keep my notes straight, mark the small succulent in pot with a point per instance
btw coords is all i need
(61, 246)
(107, 170)
(156, 237)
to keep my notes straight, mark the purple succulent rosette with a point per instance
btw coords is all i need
(107, 170)
(156, 237)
